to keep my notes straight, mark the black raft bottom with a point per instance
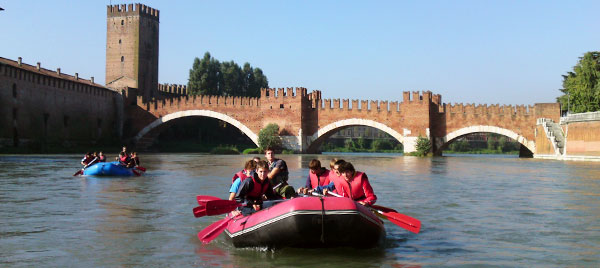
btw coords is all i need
(310, 230)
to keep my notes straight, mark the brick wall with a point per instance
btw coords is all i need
(47, 106)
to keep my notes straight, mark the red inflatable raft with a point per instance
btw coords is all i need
(308, 222)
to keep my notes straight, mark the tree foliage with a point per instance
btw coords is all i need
(208, 76)
(269, 137)
(581, 87)
(423, 146)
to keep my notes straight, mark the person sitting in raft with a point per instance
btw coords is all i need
(134, 160)
(279, 175)
(251, 191)
(101, 157)
(124, 150)
(333, 169)
(237, 179)
(317, 176)
(88, 159)
(352, 184)
(334, 173)
(123, 159)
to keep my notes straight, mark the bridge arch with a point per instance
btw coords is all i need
(316, 139)
(205, 113)
(443, 142)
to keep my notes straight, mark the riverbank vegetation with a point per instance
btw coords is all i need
(483, 143)
(350, 145)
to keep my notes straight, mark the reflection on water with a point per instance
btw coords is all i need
(475, 211)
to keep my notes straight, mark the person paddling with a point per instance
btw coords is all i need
(237, 179)
(317, 176)
(134, 160)
(101, 157)
(352, 184)
(123, 159)
(251, 190)
(88, 159)
(279, 175)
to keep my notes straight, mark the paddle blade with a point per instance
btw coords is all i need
(79, 172)
(199, 211)
(213, 231)
(141, 168)
(202, 199)
(216, 207)
(409, 223)
(135, 172)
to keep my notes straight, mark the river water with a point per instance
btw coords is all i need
(475, 211)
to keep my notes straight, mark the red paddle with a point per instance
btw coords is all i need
(202, 199)
(214, 230)
(409, 223)
(141, 168)
(215, 207)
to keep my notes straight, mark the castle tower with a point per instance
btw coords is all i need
(132, 48)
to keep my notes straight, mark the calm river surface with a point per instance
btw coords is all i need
(475, 211)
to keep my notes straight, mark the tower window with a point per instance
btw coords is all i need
(65, 121)
(281, 106)
(122, 22)
(119, 41)
(122, 58)
(14, 88)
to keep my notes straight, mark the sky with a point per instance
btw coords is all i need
(482, 52)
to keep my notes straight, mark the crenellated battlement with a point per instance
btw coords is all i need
(358, 105)
(459, 108)
(132, 10)
(198, 102)
(267, 93)
(173, 89)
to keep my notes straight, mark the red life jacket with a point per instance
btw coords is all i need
(258, 188)
(358, 189)
(102, 158)
(123, 159)
(240, 175)
(320, 180)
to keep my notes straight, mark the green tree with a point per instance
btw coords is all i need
(269, 137)
(205, 76)
(581, 87)
(208, 76)
(423, 146)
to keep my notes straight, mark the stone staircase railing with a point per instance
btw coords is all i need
(554, 133)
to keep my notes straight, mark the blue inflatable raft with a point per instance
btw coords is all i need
(108, 169)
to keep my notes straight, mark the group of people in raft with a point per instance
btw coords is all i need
(267, 180)
(128, 160)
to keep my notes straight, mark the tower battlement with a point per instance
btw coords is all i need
(283, 92)
(131, 10)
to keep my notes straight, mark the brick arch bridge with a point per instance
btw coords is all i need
(306, 120)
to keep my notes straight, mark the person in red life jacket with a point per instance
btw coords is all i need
(101, 157)
(353, 184)
(237, 179)
(123, 159)
(278, 175)
(88, 159)
(134, 160)
(252, 190)
(124, 151)
(317, 176)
